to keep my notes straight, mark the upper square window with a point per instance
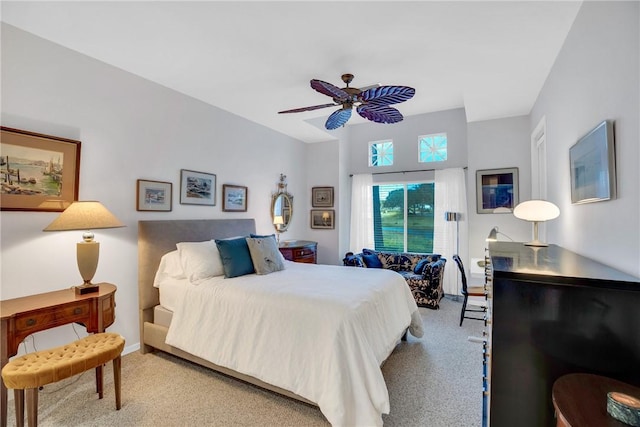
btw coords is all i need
(432, 148)
(381, 153)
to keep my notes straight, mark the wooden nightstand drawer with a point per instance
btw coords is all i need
(300, 251)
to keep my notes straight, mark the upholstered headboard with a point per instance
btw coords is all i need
(156, 238)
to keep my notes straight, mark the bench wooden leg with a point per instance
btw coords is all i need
(116, 379)
(99, 378)
(18, 398)
(32, 406)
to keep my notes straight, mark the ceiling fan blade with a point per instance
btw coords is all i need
(330, 90)
(313, 107)
(365, 88)
(380, 114)
(386, 95)
(338, 118)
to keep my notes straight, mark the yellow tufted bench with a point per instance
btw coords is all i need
(34, 370)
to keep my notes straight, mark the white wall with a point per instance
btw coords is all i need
(405, 141)
(130, 128)
(596, 77)
(323, 171)
(497, 144)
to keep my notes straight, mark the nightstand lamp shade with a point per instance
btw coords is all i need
(278, 222)
(85, 215)
(536, 211)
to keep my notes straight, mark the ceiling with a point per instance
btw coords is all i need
(257, 58)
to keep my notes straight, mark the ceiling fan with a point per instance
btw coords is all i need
(371, 102)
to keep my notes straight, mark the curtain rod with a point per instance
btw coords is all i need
(410, 171)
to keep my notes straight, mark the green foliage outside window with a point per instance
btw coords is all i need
(393, 223)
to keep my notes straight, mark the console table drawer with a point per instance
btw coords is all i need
(45, 319)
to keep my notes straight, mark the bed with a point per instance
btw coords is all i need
(333, 337)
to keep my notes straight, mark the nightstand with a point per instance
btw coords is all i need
(300, 251)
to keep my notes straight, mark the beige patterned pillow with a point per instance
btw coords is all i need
(265, 254)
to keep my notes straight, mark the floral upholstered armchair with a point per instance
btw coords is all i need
(423, 272)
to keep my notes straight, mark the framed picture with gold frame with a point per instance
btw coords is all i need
(38, 172)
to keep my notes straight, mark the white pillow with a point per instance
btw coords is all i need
(170, 266)
(200, 260)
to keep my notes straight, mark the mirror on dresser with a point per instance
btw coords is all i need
(281, 207)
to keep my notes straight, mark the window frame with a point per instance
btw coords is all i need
(432, 135)
(370, 152)
(405, 185)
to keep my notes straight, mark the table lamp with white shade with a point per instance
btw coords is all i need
(85, 215)
(278, 222)
(536, 211)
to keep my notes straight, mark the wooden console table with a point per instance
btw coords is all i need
(24, 316)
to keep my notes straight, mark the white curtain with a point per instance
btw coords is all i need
(450, 237)
(361, 212)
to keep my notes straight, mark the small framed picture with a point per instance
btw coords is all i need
(496, 190)
(234, 198)
(322, 197)
(197, 188)
(154, 195)
(323, 219)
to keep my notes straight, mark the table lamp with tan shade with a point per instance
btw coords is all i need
(85, 215)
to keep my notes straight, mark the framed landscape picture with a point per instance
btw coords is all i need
(197, 188)
(234, 198)
(496, 190)
(593, 166)
(153, 195)
(38, 172)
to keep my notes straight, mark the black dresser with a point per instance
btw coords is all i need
(553, 312)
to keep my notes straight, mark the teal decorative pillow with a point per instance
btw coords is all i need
(236, 259)
(265, 254)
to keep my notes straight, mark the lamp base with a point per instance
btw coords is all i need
(86, 288)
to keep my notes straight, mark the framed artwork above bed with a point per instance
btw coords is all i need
(234, 198)
(197, 188)
(153, 196)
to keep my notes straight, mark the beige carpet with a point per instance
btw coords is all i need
(435, 381)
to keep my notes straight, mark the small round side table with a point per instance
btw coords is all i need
(580, 400)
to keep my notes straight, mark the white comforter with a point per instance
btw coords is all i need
(319, 331)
